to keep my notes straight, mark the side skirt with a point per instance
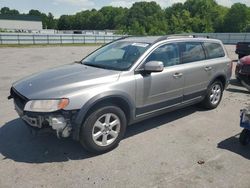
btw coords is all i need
(157, 112)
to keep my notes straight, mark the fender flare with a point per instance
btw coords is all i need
(95, 100)
(216, 77)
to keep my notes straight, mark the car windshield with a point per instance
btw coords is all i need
(120, 55)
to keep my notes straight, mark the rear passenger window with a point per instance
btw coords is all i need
(214, 50)
(191, 52)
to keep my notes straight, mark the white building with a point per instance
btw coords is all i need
(20, 23)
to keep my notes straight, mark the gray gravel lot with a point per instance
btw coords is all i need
(160, 152)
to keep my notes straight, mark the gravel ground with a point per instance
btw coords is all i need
(161, 152)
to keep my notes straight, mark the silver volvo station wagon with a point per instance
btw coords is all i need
(123, 82)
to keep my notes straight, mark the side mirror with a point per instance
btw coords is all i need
(154, 66)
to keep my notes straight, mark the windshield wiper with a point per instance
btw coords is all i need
(100, 66)
(94, 65)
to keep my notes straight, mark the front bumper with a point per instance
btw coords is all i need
(242, 51)
(61, 122)
(242, 70)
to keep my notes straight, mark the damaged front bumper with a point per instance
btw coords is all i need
(60, 122)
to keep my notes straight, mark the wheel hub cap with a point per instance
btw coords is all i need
(215, 94)
(106, 129)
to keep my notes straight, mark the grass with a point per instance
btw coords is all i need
(44, 45)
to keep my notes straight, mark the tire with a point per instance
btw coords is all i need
(98, 135)
(215, 89)
(244, 137)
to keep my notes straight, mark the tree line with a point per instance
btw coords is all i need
(148, 18)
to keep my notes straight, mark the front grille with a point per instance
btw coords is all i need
(19, 100)
(245, 69)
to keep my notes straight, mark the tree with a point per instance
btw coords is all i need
(203, 13)
(65, 22)
(113, 17)
(146, 17)
(47, 20)
(179, 19)
(237, 18)
(136, 29)
(8, 11)
(50, 21)
(33, 12)
(219, 15)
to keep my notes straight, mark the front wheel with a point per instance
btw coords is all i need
(214, 95)
(103, 129)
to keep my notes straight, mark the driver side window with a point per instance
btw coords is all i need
(168, 54)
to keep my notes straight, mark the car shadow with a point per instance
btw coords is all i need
(234, 90)
(232, 144)
(240, 88)
(235, 82)
(18, 144)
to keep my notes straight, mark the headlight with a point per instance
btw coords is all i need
(46, 105)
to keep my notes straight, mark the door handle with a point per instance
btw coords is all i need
(208, 68)
(177, 75)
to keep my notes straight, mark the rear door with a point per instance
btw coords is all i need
(197, 73)
(217, 61)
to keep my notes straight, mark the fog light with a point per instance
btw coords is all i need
(58, 123)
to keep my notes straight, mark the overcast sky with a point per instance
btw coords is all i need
(59, 7)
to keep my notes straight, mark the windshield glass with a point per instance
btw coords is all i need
(120, 55)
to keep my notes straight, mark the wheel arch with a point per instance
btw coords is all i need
(221, 78)
(119, 99)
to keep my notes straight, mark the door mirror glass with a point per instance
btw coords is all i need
(154, 66)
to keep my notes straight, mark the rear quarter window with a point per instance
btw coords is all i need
(213, 50)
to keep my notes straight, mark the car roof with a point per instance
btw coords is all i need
(148, 39)
(156, 39)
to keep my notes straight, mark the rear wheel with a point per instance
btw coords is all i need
(214, 95)
(103, 129)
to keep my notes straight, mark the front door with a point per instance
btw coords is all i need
(157, 91)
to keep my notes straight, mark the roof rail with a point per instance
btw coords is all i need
(179, 36)
(201, 36)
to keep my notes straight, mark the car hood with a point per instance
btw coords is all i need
(62, 81)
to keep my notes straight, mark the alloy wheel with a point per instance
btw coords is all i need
(215, 94)
(106, 129)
